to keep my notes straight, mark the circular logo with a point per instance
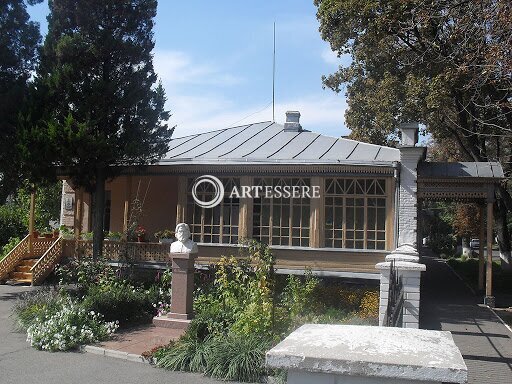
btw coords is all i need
(218, 189)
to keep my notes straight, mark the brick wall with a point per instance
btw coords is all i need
(407, 207)
(67, 209)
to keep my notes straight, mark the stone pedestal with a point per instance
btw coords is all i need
(411, 278)
(182, 292)
(351, 354)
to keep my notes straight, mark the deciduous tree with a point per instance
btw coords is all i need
(447, 64)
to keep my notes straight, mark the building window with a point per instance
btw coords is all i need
(355, 213)
(218, 224)
(281, 221)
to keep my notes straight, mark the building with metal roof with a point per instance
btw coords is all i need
(269, 142)
(366, 204)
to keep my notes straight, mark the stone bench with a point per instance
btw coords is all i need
(350, 354)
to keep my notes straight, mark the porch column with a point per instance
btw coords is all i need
(31, 220)
(126, 208)
(481, 259)
(410, 156)
(245, 214)
(79, 212)
(181, 206)
(317, 215)
(489, 298)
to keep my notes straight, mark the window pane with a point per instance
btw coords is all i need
(358, 200)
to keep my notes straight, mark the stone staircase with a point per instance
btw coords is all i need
(23, 267)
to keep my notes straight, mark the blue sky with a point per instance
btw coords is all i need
(215, 61)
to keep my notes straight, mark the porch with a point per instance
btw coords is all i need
(322, 262)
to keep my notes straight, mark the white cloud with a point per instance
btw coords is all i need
(208, 107)
(322, 113)
(331, 57)
(177, 67)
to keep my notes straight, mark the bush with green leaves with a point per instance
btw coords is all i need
(86, 273)
(54, 321)
(34, 304)
(14, 214)
(13, 242)
(232, 357)
(67, 326)
(122, 302)
(237, 357)
(245, 311)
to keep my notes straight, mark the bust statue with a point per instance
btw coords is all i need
(183, 244)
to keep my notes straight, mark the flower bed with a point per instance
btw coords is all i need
(243, 309)
(103, 300)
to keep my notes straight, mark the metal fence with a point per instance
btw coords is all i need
(394, 317)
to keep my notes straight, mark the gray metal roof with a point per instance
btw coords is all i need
(267, 142)
(460, 170)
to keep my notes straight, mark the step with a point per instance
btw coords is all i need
(29, 262)
(23, 268)
(18, 282)
(20, 276)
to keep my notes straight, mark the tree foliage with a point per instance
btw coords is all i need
(14, 214)
(19, 39)
(101, 108)
(444, 63)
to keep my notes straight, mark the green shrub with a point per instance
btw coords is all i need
(87, 273)
(230, 357)
(298, 293)
(13, 242)
(237, 357)
(121, 302)
(69, 326)
(14, 213)
(34, 304)
(189, 354)
(12, 222)
(212, 316)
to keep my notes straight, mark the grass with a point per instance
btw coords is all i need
(467, 268)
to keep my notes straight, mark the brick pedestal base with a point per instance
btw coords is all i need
(182, 293)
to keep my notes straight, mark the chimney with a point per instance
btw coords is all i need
(409, 134)
(292, 122)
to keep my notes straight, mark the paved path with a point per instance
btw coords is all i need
(448, 305)
(19, 363)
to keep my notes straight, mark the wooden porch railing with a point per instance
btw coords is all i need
(13, 258)
(47, 262)
(119, 250)
(40, 246)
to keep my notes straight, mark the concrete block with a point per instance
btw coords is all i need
(412, 296)
(94, 350)
(410, 319)
(116, 354)
(373, 354)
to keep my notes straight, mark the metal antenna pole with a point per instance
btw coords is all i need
(274, 75)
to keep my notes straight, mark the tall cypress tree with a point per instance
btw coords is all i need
(102, 108)
(19, 39)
